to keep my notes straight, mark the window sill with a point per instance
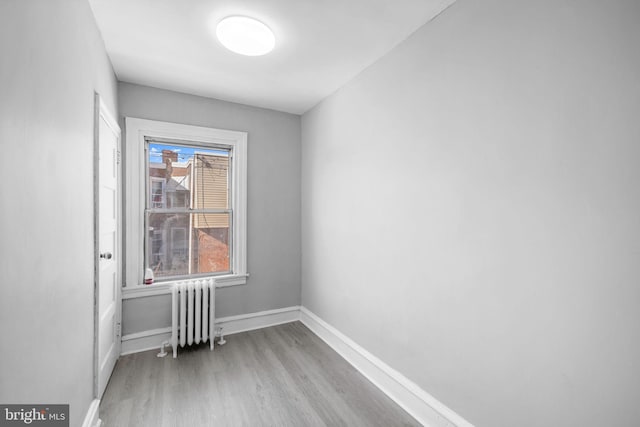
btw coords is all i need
(164, 288)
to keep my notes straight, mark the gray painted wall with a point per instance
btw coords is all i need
(53, 59)
(470, 211)
(273, 225)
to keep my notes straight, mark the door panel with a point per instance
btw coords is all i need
(108, 304)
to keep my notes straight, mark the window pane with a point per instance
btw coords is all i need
(211, 181)
(170, 253)
(181, 176)
(211, 243)
(168, 244)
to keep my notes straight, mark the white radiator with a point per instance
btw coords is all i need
(193, 313)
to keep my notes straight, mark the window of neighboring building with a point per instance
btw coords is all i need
(156, 199)
(179, 242)
(193, 219)
(156, 246)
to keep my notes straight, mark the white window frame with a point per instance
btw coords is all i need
(137, 131)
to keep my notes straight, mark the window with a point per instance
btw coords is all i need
(196, 180)
(191, 218)
(157, 193)
(179, 242)
(156, 246)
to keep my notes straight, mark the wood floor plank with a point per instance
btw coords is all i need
(278, 376)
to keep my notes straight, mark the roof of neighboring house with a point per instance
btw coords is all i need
(181, 184)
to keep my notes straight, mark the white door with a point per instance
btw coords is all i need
(108, 259)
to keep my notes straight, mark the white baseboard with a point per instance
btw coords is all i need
(421, 405)
(259, 320)
(144, 341)
(153, 339)
(91, 419)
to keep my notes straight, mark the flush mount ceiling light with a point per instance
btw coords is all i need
(245, 36)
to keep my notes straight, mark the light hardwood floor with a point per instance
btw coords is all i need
(278, 376)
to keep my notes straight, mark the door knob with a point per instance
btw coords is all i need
(106, 255)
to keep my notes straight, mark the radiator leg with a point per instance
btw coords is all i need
(162, 352)
(221, 341)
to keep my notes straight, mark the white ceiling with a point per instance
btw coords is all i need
(320, 45)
